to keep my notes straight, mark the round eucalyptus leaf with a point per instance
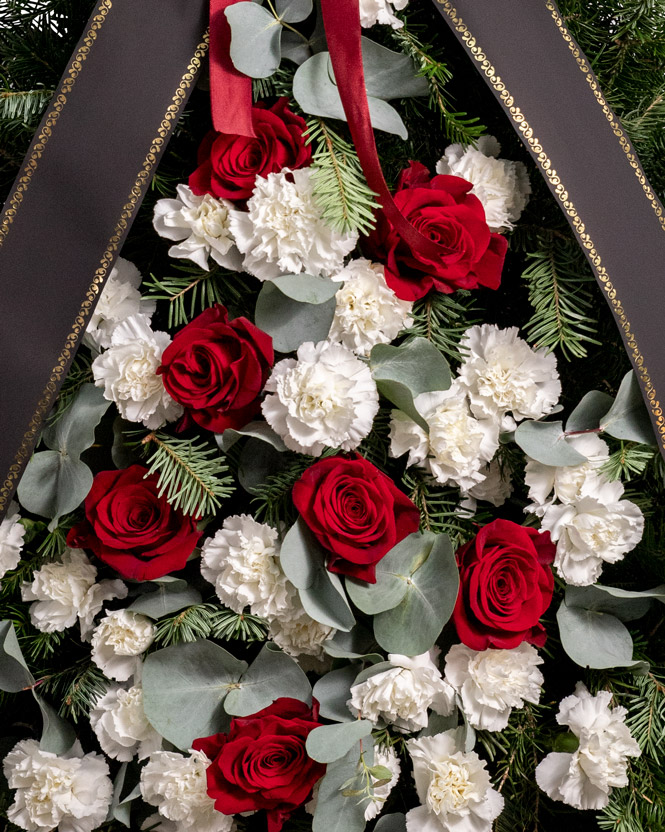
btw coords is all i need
(588, 413)
(332, 692)
(325, 601)
(338, 807)
(628, 417)
(14, 673)
(57, 736)
(257, 430)
(290, 322)
(332, 742)
(293, 11)
(255, 39)
(162, 598)
(54, 484)
(271, 675)
(74, 431)
(595, 639)
(546, 442)
(307, 288)
(395, 822)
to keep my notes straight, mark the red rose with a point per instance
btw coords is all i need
(355, 511)
(133, 529)
(228, 164)
(262, 762)
(216, 369)
(444, 211)
(506, 585)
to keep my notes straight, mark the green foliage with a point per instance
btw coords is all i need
(339, 186)
(76, 688)
(208, 620)
(443, 320)
(23, 105)
(628, 461)
(79, 373)
(193, 475)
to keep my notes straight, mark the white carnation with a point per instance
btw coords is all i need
(502, 186)
(368, 312)
(11, 539)
(503, 374)
(241, 560)
(282, 230)
(383, 756)
(66, 591)
(565, 483)
(202, 223)
(296, 632)
(177, 786)
(327, 397)
(120, 299)
(118, 641)
(458, 446)
(585, 778)
(128, 373)
(402, 695)
(381, 11)
(120, 724)
(597, 528)
(492, 682)
(453, 787)
(71, 793)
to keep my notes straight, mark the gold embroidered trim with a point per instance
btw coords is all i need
(549, 171)
(48, 394)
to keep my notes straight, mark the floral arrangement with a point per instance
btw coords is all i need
(307, 543)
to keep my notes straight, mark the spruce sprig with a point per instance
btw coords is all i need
(23, 105)
(443, 320)
(188, 292)
(193, 475)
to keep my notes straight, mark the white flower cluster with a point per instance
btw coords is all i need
(70, 793)
(282, 230)
(11, 539)
(502, 186)
(585, 778)
(454, 788)
(492, 682)
(381, 11)
(242, 562)
(584, 512)
(127, 372)
(324, 398)
(118, 641)
(65, 591)
(402, 695)
(368, 312)
(120, 724)
(119, 300)
(177, 786)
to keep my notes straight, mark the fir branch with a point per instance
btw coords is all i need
(79, 374)
(77, 688)
(443, 320)
(232, 626)
(23, 105)
(628, 461)
(191, 624)
(340, 190)
(192, 475)
(439, 507)
(561, 291)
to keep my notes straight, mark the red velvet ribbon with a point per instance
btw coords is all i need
(230, 90)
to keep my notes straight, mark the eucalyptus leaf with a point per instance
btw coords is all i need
(257, 430)
(332, 742)
(595, 639)
(437, 723)
(332, 692)
(290, 322)
(336, 812)
(184, 687)
(255, 39)
(164, 596)
(588, 413)
(395, 822)
(355, 644)
(54, 484)
(546, 443)
(404, 372)
(293, 11)
(14, 673)
(306, 288)
(628, 417)
(294, 48)
(325, 601)
(627, 606)
(301, 556)
(272, 674)
(57, 736)
(74, 431)
(126, 789)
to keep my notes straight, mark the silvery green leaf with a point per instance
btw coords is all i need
(255, 39)
(628, 417)
(74, 431)
(294, 48)
(437, 724)
(336, 812)
(545, 442)
(272, 674)
(307, 288)
(164, 596)
(184, 687)
(625, 605)
(595, 639)
(332, 742)
(53, 484)
(122, 454)
(258, 430)
(427, 566)
(258, 460)
(57, 736)
(390, 74)
(588, 413)
(332, 692)
(293, 11)
(395, 822)
(290, 322)
(356, 644)
(14, 673)
(404, 372)
(325, 601)
(125, 789)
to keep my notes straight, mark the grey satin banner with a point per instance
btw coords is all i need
(537, 71)
(77, 194)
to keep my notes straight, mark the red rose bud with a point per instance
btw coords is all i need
(228, 164)
(506, 585)
(133, 529)
(355, 512)
(262, 762)
(217, 368)
(444, 211)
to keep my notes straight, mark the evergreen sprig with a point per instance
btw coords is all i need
(76, 688)
(189, 291)
(79, 374)
(207, 620)
(346, 201)
(23, 105)
(443, 320)
(193, 475)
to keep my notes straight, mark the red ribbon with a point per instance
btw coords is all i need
(230, 90)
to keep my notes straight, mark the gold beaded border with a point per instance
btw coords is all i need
(548, 170)
(50, 390)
